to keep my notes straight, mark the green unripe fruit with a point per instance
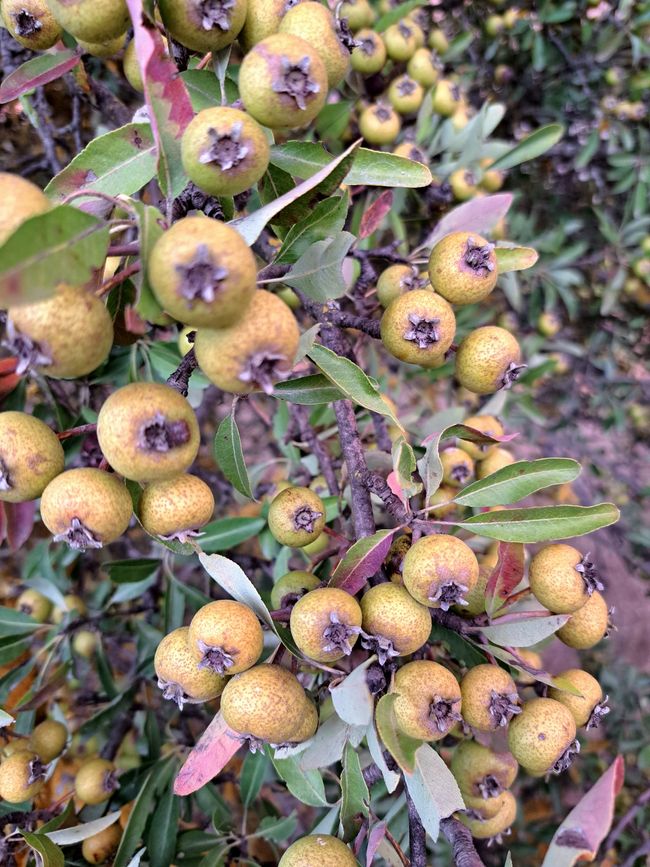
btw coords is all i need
(440, 499)
(296, 517)
(481, 772)
(542, 737)
(438, 41)
(30, 457)
(224, 151)
(642, 269)
(397, 623)
(325, 624)
(255, 352)
(561, 579)
(31, 23)
(283, 81)
(21, 777)
(34, 605)
(176, 508)
(418, 328)
(411, 152)
(262, 19)
(422, 68)
(84, 643)
(131, 67)
(494, 24)
(179, 676)
(369, 56)
(489, 697)
(496, 460)
(463, 268)
(588, 625)
(92, 20)
(48, 740)
(475, 596)
(184, 345)
(395, 281)
(105, 49)
(65, 336)
(225, 637)
(446, 98)
(488, 359)
(203, 273)
(485, 808)
(405, 94)
(314, 23)
(402, 40)
(549, 324)
(101, 847)
(484, 829)
(86, 508)
(74, 605)
(358, 14)
(313, 549)
(95, 781)
(318, 850)
(462, 182)
(379, 124)
(148, 432)
(203, 26)
(428, 700)
(457, 467)
(589, 707)
(486, 424)
(290, 587)
(439, 570)
(645, 245)
(19, 200)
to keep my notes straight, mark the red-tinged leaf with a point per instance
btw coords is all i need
(7, 383)
(217, 746)
(505, 576)
(376, 835)
(362, 561)
(36, 72)
(479, 215)
(464, 432)
(8, 365)
(133, 322)
(3, 523)
(373, 215)
(393, 482)
(579, 837)
(20, 521)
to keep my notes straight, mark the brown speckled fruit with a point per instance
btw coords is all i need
(325, 624)
(178, 672)
(101, 847)
(481, 772)
(496, 460)
(31, 23)
(542, 737)
(379, 124)
(428, 700)
(369, 55)
(588, 625)
(486, 424)
(395, 281)
(65, 336)
(485, 829)
(255, 352)
(318, 850)
(488, 359)
(418, 327)
(533, 660)
(92, 20)
(439, 570)
(296, 517)
(95, 781)
(225, 637)
(485, 808)
(48, 739)
(204, 26)
(457, 467)
(148, 432)
(288, 589)
(402, 40)
(22, 776)
(86, 508)
(309, 725)
(463, 268)
(589, 707)
(34, 605)
(19, 200)
(475, 596)
(313, 22)
(203, 273)
(562, 579)
(176, 508)
(489, 696)
(397, 624)
(262, 19)
(405, 94)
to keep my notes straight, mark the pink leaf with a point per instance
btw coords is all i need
(374, 840)
(36, 72)
(579, 837)
(362, 560)
(393, 483)
(478, 215)
(20, 520)
(216, 747)
(373, 215)
(3, 523)
(506, 574)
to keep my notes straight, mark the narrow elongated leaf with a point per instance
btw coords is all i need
(525, 632)
(505, 576)
(14, 622)
(541, 524)
(20, 523)
(516, 481)
(362, 561)
(391, 778)
(477, 215)
(253, 772)
(161, 841)
(401, 747)
(376, 835)
(318, 272)
(514, 661)
(158, 777)
(326, 746)
(374, 214)
(433, 788)
(36, 72)
(215, 748)
(396, 14)
(306, 786)
(234, 581)
(49, 852)
(352, 698)
(324, 223)
(228, 533)
(355, 796)
(308, 390)
(404, 466)
(515, 258)
(229, 456)
(73, 836)
(531, 147)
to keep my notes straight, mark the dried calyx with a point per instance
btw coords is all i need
(367, 44)
(406, 86)
(109, 783)
(345, 35)
(36, 770)
(305, 517)
(460, 473)
(383, 113)
(566, 759)
(503, 706)
(263, 369)
(422, 331)
(442, 713)
(405, 30)
(226, 149)
(161, 435)
(589, 575)
(172, 691)
(478, 257)
(201, 278)
(28, 353)
(448, 594)
(295, 81)
(336, 636)
(497, 840)
(26, 23)
(489, 787)
(78, 536)
(597, 714)
(379, 645)
(216, 13)
(512, 374)
(5, 481)
(215, 659)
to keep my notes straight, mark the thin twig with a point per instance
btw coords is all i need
(625, 820)
(180, 378)
(81, 430)
(308, 435)
(120, 277)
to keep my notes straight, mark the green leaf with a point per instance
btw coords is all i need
(202, 87)
(50, 854)
(12, 646)
(433, 789)
(253, 771)
(325, 221)
(404, 466)
(544, 524)
(14, 622)
(515, 258)
(352, 699)
(36, 72)
(161, 840)
(401, 747)
(460, 648)
(62, 242)
(126, 571)
(149, 231)
(308, 390)
(227, 533)
(525, 632)
(231, 578)
(306, 786)
(355, 796)
(531, 147)
(391, 778)
(276, 830)
(516, 481)
(318, 272)
(396, 14)
(229, 456)
(75, 835)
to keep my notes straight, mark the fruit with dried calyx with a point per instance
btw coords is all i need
(446, 97)
(318, 850)
(463, 268)
(48, 740)
(22, 776)
(561, 579)
(19, 200)
(488, 359)
(224, 152)
(590, 706)
(179, 676)
(74, 606)
(588, 625)
(422, 67)
(402, 40)
(101, 847)
(482, 772)
(263, 19)
(379, 124)
(326, 623)
(225, 637)
(95, 781)
(289, 588)
(457, 467)
(86, 508)
(358, 14)
(494, 827)
(255, 352)
(313, 22)
(176, 508)
(428, 700)
(369, 54)
(490, 698)
(439, 570)
(148, 432)
(296, 517)
(34, 605)
(495, 461)
(396, 280)
(418, 328)
(92, 20)
(30, 457)
(31, 23)
(411, 151)
(405, 94)
(481, 808)
(485, 424)
(105, 49)
(393, 623)
(206, 25)
(543, 737)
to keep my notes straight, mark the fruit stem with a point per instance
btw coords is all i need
(123, 275)
(81, 430)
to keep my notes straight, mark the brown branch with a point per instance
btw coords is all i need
(381, 432)
(417, 834)
(119, 730)
(308, 435)
(362, 514)
(82, 430)
(625, 820)
(462, 845)
(180, 378)
(120, 277)
(332, 315)
(376, 484)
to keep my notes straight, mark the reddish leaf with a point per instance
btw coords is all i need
(374, 840)
(393, 482)
(372, 217)
(464, 432)
(3, 523)
(20, 521)
(8, 378)
(478, 215)
(505, 576)
(36, 72)
(217, 746)
(133, 322)
(362, 560)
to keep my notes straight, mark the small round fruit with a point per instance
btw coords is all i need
(485, 808)
(488, 359)
(84, 643)
(22, 775)
(413, 152)
(379, 124)
(179, 676)
(31, 23)
(440, 502)
(313, 22)
(288, 589)
(296, 517)
(549, 324)
(95, 781)
(104, 49)
(34, 605)
(224, 151)
(395, 281)
(369, 54)
(422, 67)
(405, 94)
(428, 700)
(484, 829)
(542, 737)
(588, 625)
(475, 597)
(101, 847)
(325, 624)
(309, 725)
(91, 20)
(562, 579)
(397, 624)
(438, 41)
(318, 850)
(204, 26)
(485, 424)
(446, 98)
(481, 772)
(463, 268)
(65, 336)
(148, 432)
(358, 14)
(489, 696)
(496, 460)
(86, 508)
(30, 456)
(418, 328)
(255, 352)
(48, 740)
(457, 467)
(263, 19)
(590, 706)
(131, 67)
(19, 200)
(439, 570)
(283, 81)
(74, 605)
(176, 508)
(402, 41)
(225, 637)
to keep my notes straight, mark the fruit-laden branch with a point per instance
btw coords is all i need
(417, 835)
(376, 484)
(338, 317)
(462, 845)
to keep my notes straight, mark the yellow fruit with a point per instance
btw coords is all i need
(438, 41)
(488, 359)
(176, 508)
(74, 605)
(313, 22)
(395, 281)
(290, 587)
(325, 624)
(484, 829)
(19, 200)
(379, 124)
(475, 597)
(202, 26)
(589, 707)
(533, 660)
(549, 324)
(462, 182)
(262, 19)
(225, 637)
(496, 460)
(588, 625)
(101, 847)
(92, 20)
(485, 808)
(446, 97)
(95, 781)
(439, 570)
(296, 517)
(489, 697)
(178, 672)
(481, 772)
(405, 94)
(457, 467)
(402, 40)
(542, 737)
(441, 499)
(418, 327)
(369, 55)
(463, 268)
(48, 740)
(358, 14)
(428, 700)
(21, 777)
(486, 424)
(422, 67)
(318, 850)
(561, 579)
(397, 623)
(34, 604)
(31, 23)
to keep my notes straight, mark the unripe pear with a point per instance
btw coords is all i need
(318, 850)
(463, 268)
(533, 660)
(588, 625)
(309, 725)
(481, 772)
(589, 707)
(203, 26)
(105, 49)
(491, 179)
(22, 775)
(394, 560)
(31, 23)
(95, 781)
(422, 67)
(176, 508)
(497, 460)
(439, 570)
(457, 467)
(482, 809)
(438, 41)
(488, 359)
(490, 698)
(484, 829)
(439, 503)
(486, 424)
(462, 182)
(418, 327)
(84, 643)
(428, 700)
(325, 624)
(34, 604)
(92, 20)
(397, 624)
(148, 432)
(296, 517)
(320, 544)
(291, 586)
(225, 637)
(542, 737)
(74, 606)
(446, 97)
(358, 14)
(369, 55)
(101, 847)
(263, 19)
(379, 124)
(19, 200)
(548, 323)
(405, 94)
(313, 22)
(475, 596)
(48, 740)
(411, 151)
(131, 67)
(30, 456)
(179, 676)
(402, 40)
(395, 281)
(86, 508)
(562, 579)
